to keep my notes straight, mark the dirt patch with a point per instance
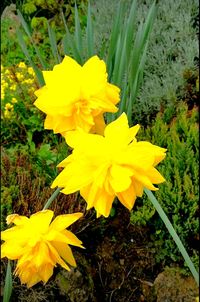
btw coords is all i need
(116, 265)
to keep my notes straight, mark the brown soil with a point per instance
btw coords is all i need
(116, 265)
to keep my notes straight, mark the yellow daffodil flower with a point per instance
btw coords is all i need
(77, 96)
(39, 244)
(109, 166)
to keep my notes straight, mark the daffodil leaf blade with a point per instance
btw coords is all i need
(8, 284)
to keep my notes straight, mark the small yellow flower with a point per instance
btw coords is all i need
(14, 100)
(31, 90)
(7, 72)
(19, 76)
(39, 244)
(109, 166)
(22, 65)
(31, 71)
(8, 106)
(13, 87)
(28, 81)
(77, 96)
(7, 114)
(4, 84)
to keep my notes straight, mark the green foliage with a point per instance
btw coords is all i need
(176, 130)
(7, 194)
(19, 116)
(26, 175)
(10, 49)
(49, 8)
(172, 49)
(8, 284)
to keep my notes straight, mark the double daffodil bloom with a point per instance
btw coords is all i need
(77, 96)
(39, 244)
(109, 166)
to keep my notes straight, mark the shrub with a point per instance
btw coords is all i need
(177, 130)
(19, 117)
(172, 50)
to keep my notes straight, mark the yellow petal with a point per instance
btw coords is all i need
(99, 125)
(138, 187)
(112, 93)
(133, 131)
(41, 220)
(145, 181)
(45, 272)
(11, 233)
(65, 252)
(154, 176)
(41, 254)
(29, 278)
(62, 222)
(56, 257)
(16, 219)
(75, 176)
(120, 177)
(127, 197)
(103, 203)
(72, 239)
(11, 250)
(117, 132)
(94, 76)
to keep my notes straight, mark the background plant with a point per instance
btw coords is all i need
(177, 130)
(172, 51)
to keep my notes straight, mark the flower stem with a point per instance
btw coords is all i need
(51, 199)
(173, 233)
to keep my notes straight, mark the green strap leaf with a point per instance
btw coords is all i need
(8, 284)
(78, 33)
(52, 39)
(28, 32)
(68, 42)
(173, 233)
(89, 33)
(25, 51)
(51, 199)
(114, 38)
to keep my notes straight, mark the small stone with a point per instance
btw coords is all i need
(171, 286)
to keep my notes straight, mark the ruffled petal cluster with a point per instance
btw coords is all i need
(39, 244)
(76, 96)
(109, 166)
